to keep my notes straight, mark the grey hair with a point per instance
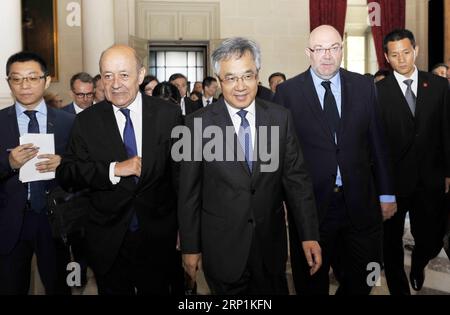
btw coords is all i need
(235, 47)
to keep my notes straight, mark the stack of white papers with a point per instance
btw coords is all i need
(46, 145)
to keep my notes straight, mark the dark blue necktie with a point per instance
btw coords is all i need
(245, 136)
(129, 139)
(330, 108)
(37, 189)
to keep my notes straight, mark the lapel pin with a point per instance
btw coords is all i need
(425, 84)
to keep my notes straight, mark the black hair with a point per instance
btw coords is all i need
(83, 77)
(383, 72)
(277, 74)
(175, 76)
(147, 79)
(207, 81)
(167, 91)
(25, 56)
(397, 35)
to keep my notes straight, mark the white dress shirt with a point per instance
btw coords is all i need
(136, 118)
(205, 101)
(400, 78)
(251, 117)
(183, 106)
(77, 108)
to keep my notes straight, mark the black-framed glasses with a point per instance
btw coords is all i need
(84, 95)
(32, 79)
(233, 79)
(321, 51)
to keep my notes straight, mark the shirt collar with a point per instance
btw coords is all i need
(233, 111)
(75, 105)
(135, 106)
(401, 78)
(335, 81)
(41, 108)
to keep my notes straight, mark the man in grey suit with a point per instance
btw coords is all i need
(231, 212)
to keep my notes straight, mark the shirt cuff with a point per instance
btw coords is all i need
(387, 198)
(114, 179)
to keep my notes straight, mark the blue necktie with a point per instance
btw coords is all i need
(129, 139)
(245, 136)
(36, 189)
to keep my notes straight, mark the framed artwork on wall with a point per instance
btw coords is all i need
(40, 31)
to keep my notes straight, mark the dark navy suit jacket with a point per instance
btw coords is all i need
(13, 193)
(69, 108)
(361, 151)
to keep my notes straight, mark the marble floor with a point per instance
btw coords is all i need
(437, 278)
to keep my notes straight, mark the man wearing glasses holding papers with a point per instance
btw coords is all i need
(24, 225)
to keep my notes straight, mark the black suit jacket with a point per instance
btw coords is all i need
(222, 206)
(70, 108)
(420, 144)
(190, 106)
(13, 193)
(360, 147)
(95, 143)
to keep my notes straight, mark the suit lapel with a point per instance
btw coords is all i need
(148, 140)
(262, 120)
(222, 119)
(346, 103)
(309, 91)
(13, 125)
(422, 94)
(51, 120)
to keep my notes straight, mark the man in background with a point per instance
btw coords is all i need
(82, 89)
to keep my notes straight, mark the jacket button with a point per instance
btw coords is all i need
(253, 191)
(250, 221)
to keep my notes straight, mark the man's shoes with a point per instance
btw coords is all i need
(417, 278)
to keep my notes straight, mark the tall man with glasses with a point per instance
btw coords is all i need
(231, 212)
(82, 89)
(339, 128)
(24, 225)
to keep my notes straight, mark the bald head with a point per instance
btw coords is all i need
(325, 51)
(324, 34)
(122, 72)
(121, 50)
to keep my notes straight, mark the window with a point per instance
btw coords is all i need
(359, 48)
(188, 60)
(359, 53)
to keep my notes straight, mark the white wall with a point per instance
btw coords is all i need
(281, 28)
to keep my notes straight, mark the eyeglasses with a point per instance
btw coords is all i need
(321, 51)
(32, 80)
(84, 95)
(233, 79)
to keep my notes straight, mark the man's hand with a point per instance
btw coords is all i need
(191, 264)
(447, 185)
(130, 167)
(22, 154)
(50, 164)
(388, 209)
(313, 255)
